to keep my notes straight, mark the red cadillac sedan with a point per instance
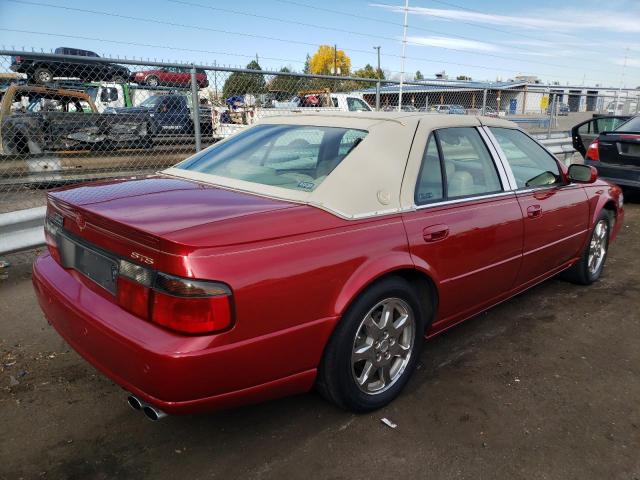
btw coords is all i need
(312, 250)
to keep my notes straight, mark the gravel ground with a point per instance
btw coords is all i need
(545, 386)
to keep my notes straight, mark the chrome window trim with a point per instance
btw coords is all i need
(471, 198)
(502, 157)
(499, 158)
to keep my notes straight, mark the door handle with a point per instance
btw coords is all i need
(534, 211)
(435, 233)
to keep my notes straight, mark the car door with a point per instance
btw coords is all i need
(464, 226)
(556, 213)
(586, 132)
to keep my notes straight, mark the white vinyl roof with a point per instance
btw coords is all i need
(368, 181)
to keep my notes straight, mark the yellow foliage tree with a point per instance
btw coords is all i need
(326, 58)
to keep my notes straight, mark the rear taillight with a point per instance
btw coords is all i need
(181, 304)
(191, 306)
(52, 226)
(17, 59)
(593, 152)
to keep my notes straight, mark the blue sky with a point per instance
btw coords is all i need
(569, 41)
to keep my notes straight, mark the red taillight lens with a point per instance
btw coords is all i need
(18, 59)
(593, 152)
(181, 304)
(191, 314)
(52, 225)
(133, 297)
(191, 306)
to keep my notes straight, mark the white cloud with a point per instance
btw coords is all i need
(453, 43)
(630, 62)
(559, 20)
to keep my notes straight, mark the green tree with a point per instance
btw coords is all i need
(418, 76)
(240, 83)
(307, 65)
(283, 85)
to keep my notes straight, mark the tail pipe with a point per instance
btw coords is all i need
(152, 413)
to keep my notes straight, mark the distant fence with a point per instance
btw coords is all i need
(65, 118)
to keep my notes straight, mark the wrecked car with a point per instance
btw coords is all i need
(36, 119)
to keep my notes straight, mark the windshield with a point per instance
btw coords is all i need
(632, 125)
(152, 101)
(297, 157)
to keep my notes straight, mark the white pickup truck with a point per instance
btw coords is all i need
(232, 119)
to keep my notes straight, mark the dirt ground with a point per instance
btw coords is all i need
(545, 386)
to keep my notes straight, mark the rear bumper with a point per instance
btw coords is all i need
(178, 374)
(618, 174)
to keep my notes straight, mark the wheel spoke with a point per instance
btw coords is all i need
(385, 374)
(398, 325)
(367, 373)
(373, 329)
(364, 352)
(399, 350)
(387, 315)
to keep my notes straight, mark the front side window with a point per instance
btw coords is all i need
(532, 165)
(297, 157)
(470, 169)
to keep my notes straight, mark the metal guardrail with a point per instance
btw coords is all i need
(23, 229)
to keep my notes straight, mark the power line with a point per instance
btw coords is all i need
(264, 37)
(149, 45)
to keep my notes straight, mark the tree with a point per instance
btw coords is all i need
(418, 76)
(366, 72)
(283, 84)
(240, 83)
(307, 65)
(326, 58)
(464, 78)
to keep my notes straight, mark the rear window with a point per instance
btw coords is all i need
(297, 157)
(632, 125)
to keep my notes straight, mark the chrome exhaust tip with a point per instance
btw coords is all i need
(152, 413)
(134, 402)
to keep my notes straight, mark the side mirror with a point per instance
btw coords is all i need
(582, 173)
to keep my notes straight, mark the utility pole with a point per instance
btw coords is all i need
(404, 47)
(378, 82)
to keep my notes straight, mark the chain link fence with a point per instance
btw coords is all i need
(73, 116)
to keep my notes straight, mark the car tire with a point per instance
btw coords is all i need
(591, 264)
(366, 363)
(152, 81)
(42, 76)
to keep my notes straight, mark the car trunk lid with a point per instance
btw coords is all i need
(620, 148)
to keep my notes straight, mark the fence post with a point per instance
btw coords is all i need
(377, 96)
(484, 101)
(195, 108)
(552, 109)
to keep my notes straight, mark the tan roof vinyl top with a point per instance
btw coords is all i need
(368, 181)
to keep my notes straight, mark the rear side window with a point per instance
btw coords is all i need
(532, 165)
(469, 167)
(429, 186)
(357, 105)
(298, 157)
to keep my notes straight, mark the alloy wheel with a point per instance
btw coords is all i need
(383, 345)
(598, 246)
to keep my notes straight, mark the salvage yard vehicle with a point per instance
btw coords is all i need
(42, 70)
(170, 76)
(614, 148)
(168, 115)
(312, 249)
(36, 119)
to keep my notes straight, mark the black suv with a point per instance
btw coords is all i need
(40, 69)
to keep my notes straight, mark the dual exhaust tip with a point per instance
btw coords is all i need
(152, 413)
